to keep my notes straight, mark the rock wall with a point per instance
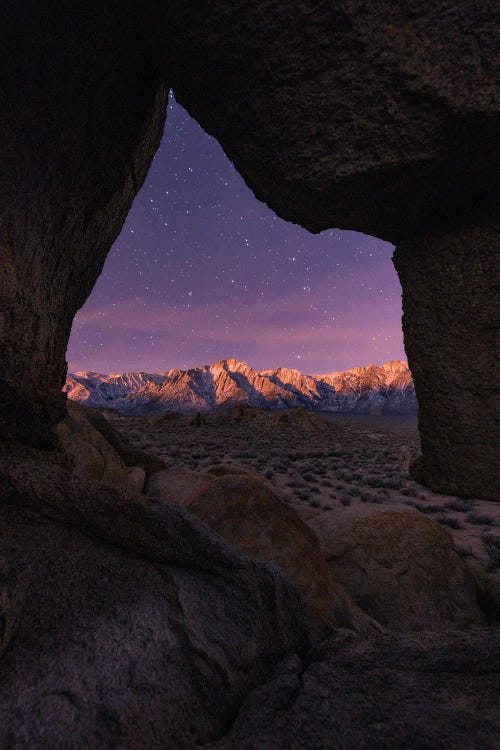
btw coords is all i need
(83, 107)
(451, 323)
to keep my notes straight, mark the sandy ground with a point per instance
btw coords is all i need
(323, 464)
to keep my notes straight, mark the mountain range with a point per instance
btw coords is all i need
(385, 389)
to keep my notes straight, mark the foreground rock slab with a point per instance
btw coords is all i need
(127, 623)
(437, 691)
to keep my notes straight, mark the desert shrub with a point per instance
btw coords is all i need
(450, 521)
(314, 504)
(353, 491)
(427, 508)
(315, 489)
(326, 483)
(480, 519)
(492, 546)
(371, 497)
(409, 491)
(309, 476)
(345, 500)
(367, 497)
(327, 507)
(347, 476)
(461, 505)
(391, 483)
(269, 474)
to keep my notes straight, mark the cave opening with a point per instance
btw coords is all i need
(203, 271)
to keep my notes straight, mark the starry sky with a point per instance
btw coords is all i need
(204, 271)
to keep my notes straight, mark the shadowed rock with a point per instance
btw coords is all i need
(401, 568)
(250, 515)
(432, 691)
(126, 622)
(91, 456)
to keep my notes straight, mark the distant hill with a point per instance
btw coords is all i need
(385, 389)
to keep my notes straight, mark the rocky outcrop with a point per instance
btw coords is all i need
(131, 457)
(83, 111)
(91, 456)
(125, 622)
(451, 319)
(431, 691)
(402, 568)
(250, 515)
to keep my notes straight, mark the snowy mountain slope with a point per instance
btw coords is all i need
(387, 389)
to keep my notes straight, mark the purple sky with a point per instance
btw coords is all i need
(203, 271)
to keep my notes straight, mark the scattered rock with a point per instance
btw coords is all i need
(250, 515)
(400, 567)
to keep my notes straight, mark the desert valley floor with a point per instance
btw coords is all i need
(324, 464)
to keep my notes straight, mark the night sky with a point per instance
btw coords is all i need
(203, 271)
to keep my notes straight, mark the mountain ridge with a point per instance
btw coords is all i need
(370, 389)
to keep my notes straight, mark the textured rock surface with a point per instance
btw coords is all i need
(401, 568)
(451, 322)
(82, 116)
(249, 514)
(130, 456)
(136, 478)
(422, 692)
(376, 116)
(177, 486)
(91, 456)
(126, 623)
